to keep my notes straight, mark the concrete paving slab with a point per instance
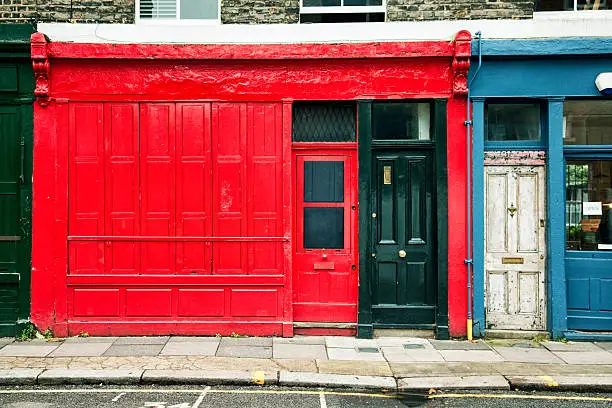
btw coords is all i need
(562, 383)
(400, 341)
(403, 355)
(127, 350)
(509, 368)
(351, 367)
(572, 369)
(193, 339)
(142, 340)
(233, 363)
(56, 376)
(195, 348)
(19, 376)
(244, 351)
(420, 369)
(606, 345)
(70, 340)
(299, 340)
(470, 368)
(28, 349)
(340, 342)
(470, 355)
(569, 346)
(219, 377)
(6, 340)
(247, 341)
(286, 364)
(80, 350)
(300, 351)
(336, 380)
(352, 354)
(459, 345)
(493, 382)
(528, 355)
(574, 357)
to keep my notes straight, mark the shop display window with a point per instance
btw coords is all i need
(588, 208)
(587, 122)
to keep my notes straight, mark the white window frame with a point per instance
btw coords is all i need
(342, 9)
(177, 19)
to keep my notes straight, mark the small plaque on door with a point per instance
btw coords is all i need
(508, 260)
(330, 266)
(387, 175)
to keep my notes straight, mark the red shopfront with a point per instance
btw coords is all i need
(172, 196)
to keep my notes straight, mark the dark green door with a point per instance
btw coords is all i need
(403, 279)
(10, 231)
(16, 123)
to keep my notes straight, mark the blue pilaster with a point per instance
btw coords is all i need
(555, 277)
(478, 214)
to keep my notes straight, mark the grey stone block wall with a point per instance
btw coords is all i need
(260, 11)
(75, 11)
(422, 10)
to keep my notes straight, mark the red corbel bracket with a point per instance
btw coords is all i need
(40, 64)
(461, 62)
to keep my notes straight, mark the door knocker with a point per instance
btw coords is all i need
(512, 210)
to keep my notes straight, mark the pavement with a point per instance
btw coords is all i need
(387, 363)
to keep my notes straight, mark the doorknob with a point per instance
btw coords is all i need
(402, 253)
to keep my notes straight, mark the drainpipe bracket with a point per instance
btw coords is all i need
(469, 262)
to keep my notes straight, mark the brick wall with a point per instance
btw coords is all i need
(420, 10)
(76, 11)
(260, 11)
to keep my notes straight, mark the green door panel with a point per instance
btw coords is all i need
(403, 277)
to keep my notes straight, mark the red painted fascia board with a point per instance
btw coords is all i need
(251, 51)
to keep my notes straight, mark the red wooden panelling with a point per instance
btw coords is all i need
(229, 186)
(106, 303)
(193, 187)
(253, 80)
(264, 187)
(201, 302)
(121, 148)
(254, 302)
(254, 51)
(148, 302)
(86, 186)
(157, 189)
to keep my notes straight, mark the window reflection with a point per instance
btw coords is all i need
(588, 209)
(587, 122)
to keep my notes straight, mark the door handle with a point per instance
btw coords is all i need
(402, 253)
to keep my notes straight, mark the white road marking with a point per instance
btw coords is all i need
(201, 397)
(118, 396)
(322, 400)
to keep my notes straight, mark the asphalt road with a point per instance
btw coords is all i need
(273, 397)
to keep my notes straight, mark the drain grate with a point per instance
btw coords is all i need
(367, 350)
(413, 346)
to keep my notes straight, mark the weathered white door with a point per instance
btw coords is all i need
(515, 250)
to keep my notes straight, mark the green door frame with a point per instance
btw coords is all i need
(365, 325)
(15, 58)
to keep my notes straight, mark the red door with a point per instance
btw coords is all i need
(325, 262)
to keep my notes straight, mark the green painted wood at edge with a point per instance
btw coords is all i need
(441, 186)
(364, 316)
(14, 49)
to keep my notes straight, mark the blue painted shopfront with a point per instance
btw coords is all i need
(557, 74)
